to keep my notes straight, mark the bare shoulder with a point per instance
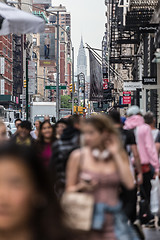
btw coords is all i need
(79, 152)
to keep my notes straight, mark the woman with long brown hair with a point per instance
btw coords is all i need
(29, 209)
(99, 168)
(45, 141)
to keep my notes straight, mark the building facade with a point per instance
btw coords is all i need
(82, 60)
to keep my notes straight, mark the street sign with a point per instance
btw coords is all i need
(149, 80)
(132, 86)
(105, 85)
(126, 97)
(54, 87)
(69, 101)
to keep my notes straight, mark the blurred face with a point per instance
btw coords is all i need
(60, 128)
(23, 133)
(17, 194)
(47, 131)
(91, 136)
(37, 125)
(17, 123)
(3, 133)
(47, 118)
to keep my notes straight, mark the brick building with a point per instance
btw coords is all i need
(6, 54)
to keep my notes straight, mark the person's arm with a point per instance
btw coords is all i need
(158, 147)
(151, 149)
(137, 163)
(121, 160)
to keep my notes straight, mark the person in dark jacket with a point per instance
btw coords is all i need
(62, 148)
(23, 137)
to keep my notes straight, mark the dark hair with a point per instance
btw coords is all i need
(62, 120)
(149, 118)
(74, 119)
(47, 219)
(18, 120)
(115, 116)
(40, 137)
(26, 124)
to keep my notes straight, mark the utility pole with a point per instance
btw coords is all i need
(72, 80)
(78, 79)
(44, 73)
(57, 81)
(27, 80)
(109, 37)
(84, 100)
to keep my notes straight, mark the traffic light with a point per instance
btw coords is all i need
(24, 83)
(70, 87)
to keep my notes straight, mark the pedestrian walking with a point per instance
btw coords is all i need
(62, 148)
(17, 122)
(129, 143)
(22, 136)
(60, 126)
(99, 168)
(151, 121)
(35, 132)
(29, 209)
(147, 152)
(3, 133)
(45, 141)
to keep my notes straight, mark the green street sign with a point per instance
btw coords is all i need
(54, 87)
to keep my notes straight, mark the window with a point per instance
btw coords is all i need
(4, 50)
(9, 54)
(34, 55)
(34, 42)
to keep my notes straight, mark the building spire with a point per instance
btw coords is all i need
(82, 59)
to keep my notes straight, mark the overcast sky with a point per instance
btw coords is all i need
(88, 20)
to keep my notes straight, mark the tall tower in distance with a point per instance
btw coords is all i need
(82, 60)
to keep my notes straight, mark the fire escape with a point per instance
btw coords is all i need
(138, 31)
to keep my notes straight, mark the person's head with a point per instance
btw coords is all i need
(37, 124)
(60, 126)
(75, 121)
(46, 118)
(27, 198)
(24, 130)
(96, 131)
(116, 118)
(17, 122)
(3, 132)
(150, 119)
(133, 110)
(46, 133)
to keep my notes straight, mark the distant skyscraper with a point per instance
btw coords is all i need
(82, 60)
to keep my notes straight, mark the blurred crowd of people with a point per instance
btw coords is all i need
(110, 158)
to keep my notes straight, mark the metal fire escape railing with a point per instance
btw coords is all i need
(114, 47)
(138, 19)
(140, 12)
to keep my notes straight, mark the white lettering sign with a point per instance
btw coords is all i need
(132, 86)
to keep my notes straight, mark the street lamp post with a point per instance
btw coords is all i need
(57, 80)
(72, 80)
(81, 78)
